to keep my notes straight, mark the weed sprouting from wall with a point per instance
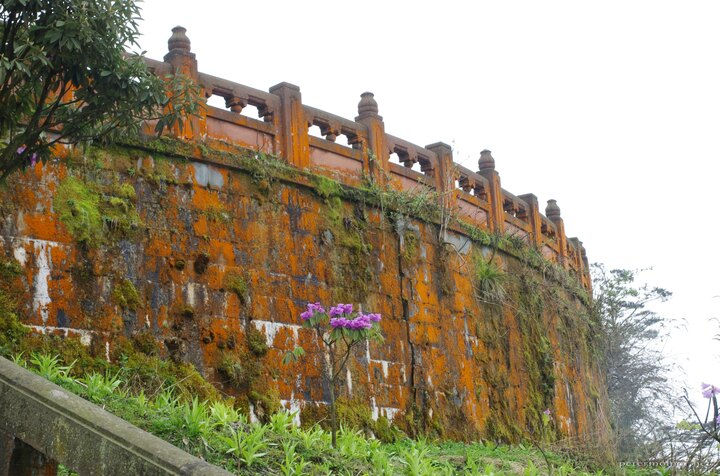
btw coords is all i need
(488, 281)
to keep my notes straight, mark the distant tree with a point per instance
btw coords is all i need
(641, 396)
(65, 77)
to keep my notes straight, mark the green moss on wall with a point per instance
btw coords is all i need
(11, 329)
(265, 402)
(126, 295)
(9, 268)
(95, 214)
(256, 341)
(326, 187)
(239, 369)
(236, 283)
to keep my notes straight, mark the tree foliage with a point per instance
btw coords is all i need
(640, 393)
(65, 77)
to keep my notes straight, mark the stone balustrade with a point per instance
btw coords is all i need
(282, 129)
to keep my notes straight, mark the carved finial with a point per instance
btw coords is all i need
(486, 161)
(179, 42)
(367, 104)
(552, 211)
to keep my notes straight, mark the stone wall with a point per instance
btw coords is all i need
(209, 244)
(214, 254)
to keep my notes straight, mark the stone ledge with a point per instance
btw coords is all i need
(82, 436)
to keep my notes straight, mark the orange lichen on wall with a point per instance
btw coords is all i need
(447, 360)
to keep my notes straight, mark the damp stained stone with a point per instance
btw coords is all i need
(62, 319)
(201, 263)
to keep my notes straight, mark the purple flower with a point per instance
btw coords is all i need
(547, 412)
(709, 390)
(33, 159)
(374, 317)
(336, 322)
(20, 149)
(340, 309)
(359, 323)
(312, 309)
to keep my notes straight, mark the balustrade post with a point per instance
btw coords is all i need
(377, 155)
(533, 217)
(581, 264)
(577, 262)
(586, 279)
(184, 63)
(496, 216)
(294, 140)
(552, 211)
(444, 174)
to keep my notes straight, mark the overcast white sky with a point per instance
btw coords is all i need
(612, 108)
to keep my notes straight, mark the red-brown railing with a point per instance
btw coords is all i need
(282, 128)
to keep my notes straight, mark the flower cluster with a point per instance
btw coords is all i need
(341, 309)
(360, 322)
(341, 316)
(312, 309)
(709, 390)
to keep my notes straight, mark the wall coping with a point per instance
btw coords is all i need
(83, 436)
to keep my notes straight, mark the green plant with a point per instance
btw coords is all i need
(351, 442)
(281, 422)
(381, 461)
(488, 281)
(99, 386)
(266, 403)
(166, 401)
(49, 367)
(217, 213)
(194, 417)
(248, 448)
(66, 78)
(224, 415)
(292, 465)
(416, 462)
(314, 438)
